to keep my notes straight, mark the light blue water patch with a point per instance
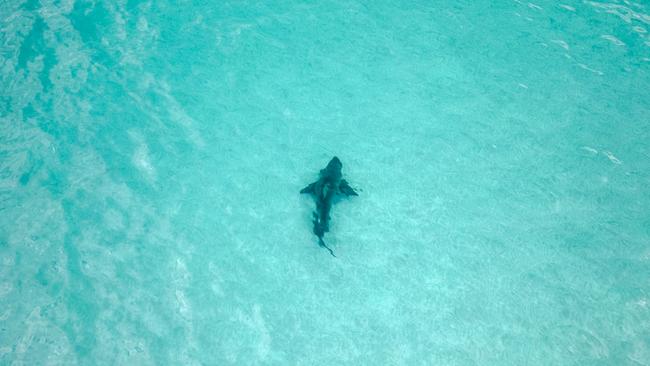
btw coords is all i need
(151, 155)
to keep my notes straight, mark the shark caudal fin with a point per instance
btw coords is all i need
(322, 244)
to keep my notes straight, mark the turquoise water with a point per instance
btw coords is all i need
(152, 153)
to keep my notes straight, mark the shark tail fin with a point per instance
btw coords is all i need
(322, 244)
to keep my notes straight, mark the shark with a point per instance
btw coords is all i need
(330, 184)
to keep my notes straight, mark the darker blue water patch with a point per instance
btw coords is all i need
(24, 179)
(31, 5)
(56, 183)
(34, 164)
(5, 104)
(90, 19)
(33, 47)
(33, 44)
(49, 277)
(29, 112)
(93, 22)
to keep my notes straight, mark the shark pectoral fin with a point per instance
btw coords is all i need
(345, 188)
(309, 189)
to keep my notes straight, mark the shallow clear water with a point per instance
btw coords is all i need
(151, 155)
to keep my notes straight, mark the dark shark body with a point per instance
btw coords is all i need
(330, 184)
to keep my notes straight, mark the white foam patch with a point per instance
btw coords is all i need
(561, 43)
(36, 330)
(642, 303)
(183, 306)
(216, 285)
(73, 59)
(255, 321)
(114, 219)
(590, 149)
(613, 39)
(567, 7)
(5, 288)
(143, 25)
(585, 67)
(264, 346)
(142, 161)
(621, 11)
(611, 157)
(178, 114)
(181, 278)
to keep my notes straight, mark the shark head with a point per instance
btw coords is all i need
(333, 169)
(334, 164)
